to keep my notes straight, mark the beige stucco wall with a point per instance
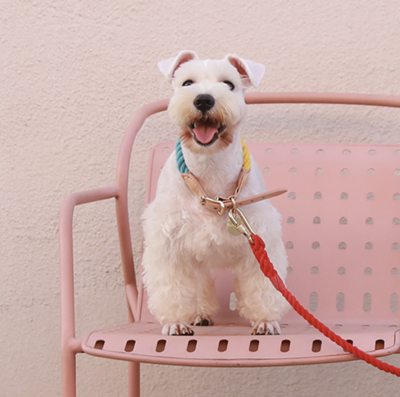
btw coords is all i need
(71, 75)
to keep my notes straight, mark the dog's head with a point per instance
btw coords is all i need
(208, 103)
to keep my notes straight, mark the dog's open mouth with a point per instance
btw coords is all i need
(206, 132)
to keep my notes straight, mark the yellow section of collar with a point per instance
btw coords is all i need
(246, 157)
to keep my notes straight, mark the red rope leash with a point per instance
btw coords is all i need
(268, 269)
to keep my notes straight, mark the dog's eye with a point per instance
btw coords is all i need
(187, 83)
(230, 85)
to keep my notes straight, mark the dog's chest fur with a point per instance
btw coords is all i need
(195, 234)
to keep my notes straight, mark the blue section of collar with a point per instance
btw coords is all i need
(180, 160)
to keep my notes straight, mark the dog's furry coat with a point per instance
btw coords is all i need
(183, 240)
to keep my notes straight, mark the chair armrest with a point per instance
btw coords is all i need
(67, 263)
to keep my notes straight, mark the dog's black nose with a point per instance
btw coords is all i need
(204, 102)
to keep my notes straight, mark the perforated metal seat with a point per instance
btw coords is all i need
(341, 223)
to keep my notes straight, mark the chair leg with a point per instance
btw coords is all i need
(68, 373)
(134, 379)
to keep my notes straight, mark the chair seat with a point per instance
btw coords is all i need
(233, 345)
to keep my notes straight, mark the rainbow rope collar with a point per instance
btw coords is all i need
(183, 169)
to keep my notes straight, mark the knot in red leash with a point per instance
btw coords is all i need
(265, 264)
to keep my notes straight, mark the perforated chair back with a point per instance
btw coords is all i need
(340, 222)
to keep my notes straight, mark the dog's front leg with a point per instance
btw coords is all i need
(172, 292)
(258, 300)
(207, 305)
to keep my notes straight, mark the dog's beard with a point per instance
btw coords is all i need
(221, 142)
(206, 127)
(206, 132)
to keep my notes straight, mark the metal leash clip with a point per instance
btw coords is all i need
(240, 225)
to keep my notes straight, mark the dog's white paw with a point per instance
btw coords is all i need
(266, 328)
(176, 329)
(203, 320)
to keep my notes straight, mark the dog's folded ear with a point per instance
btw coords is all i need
(168, 66)
(250, 72)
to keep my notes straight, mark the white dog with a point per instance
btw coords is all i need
(184, 240)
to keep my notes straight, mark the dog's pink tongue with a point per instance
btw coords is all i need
(205, 132)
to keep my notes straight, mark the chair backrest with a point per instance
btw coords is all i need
(340, 217)
(340, 222)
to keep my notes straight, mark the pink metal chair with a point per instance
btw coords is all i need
(341, 223)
